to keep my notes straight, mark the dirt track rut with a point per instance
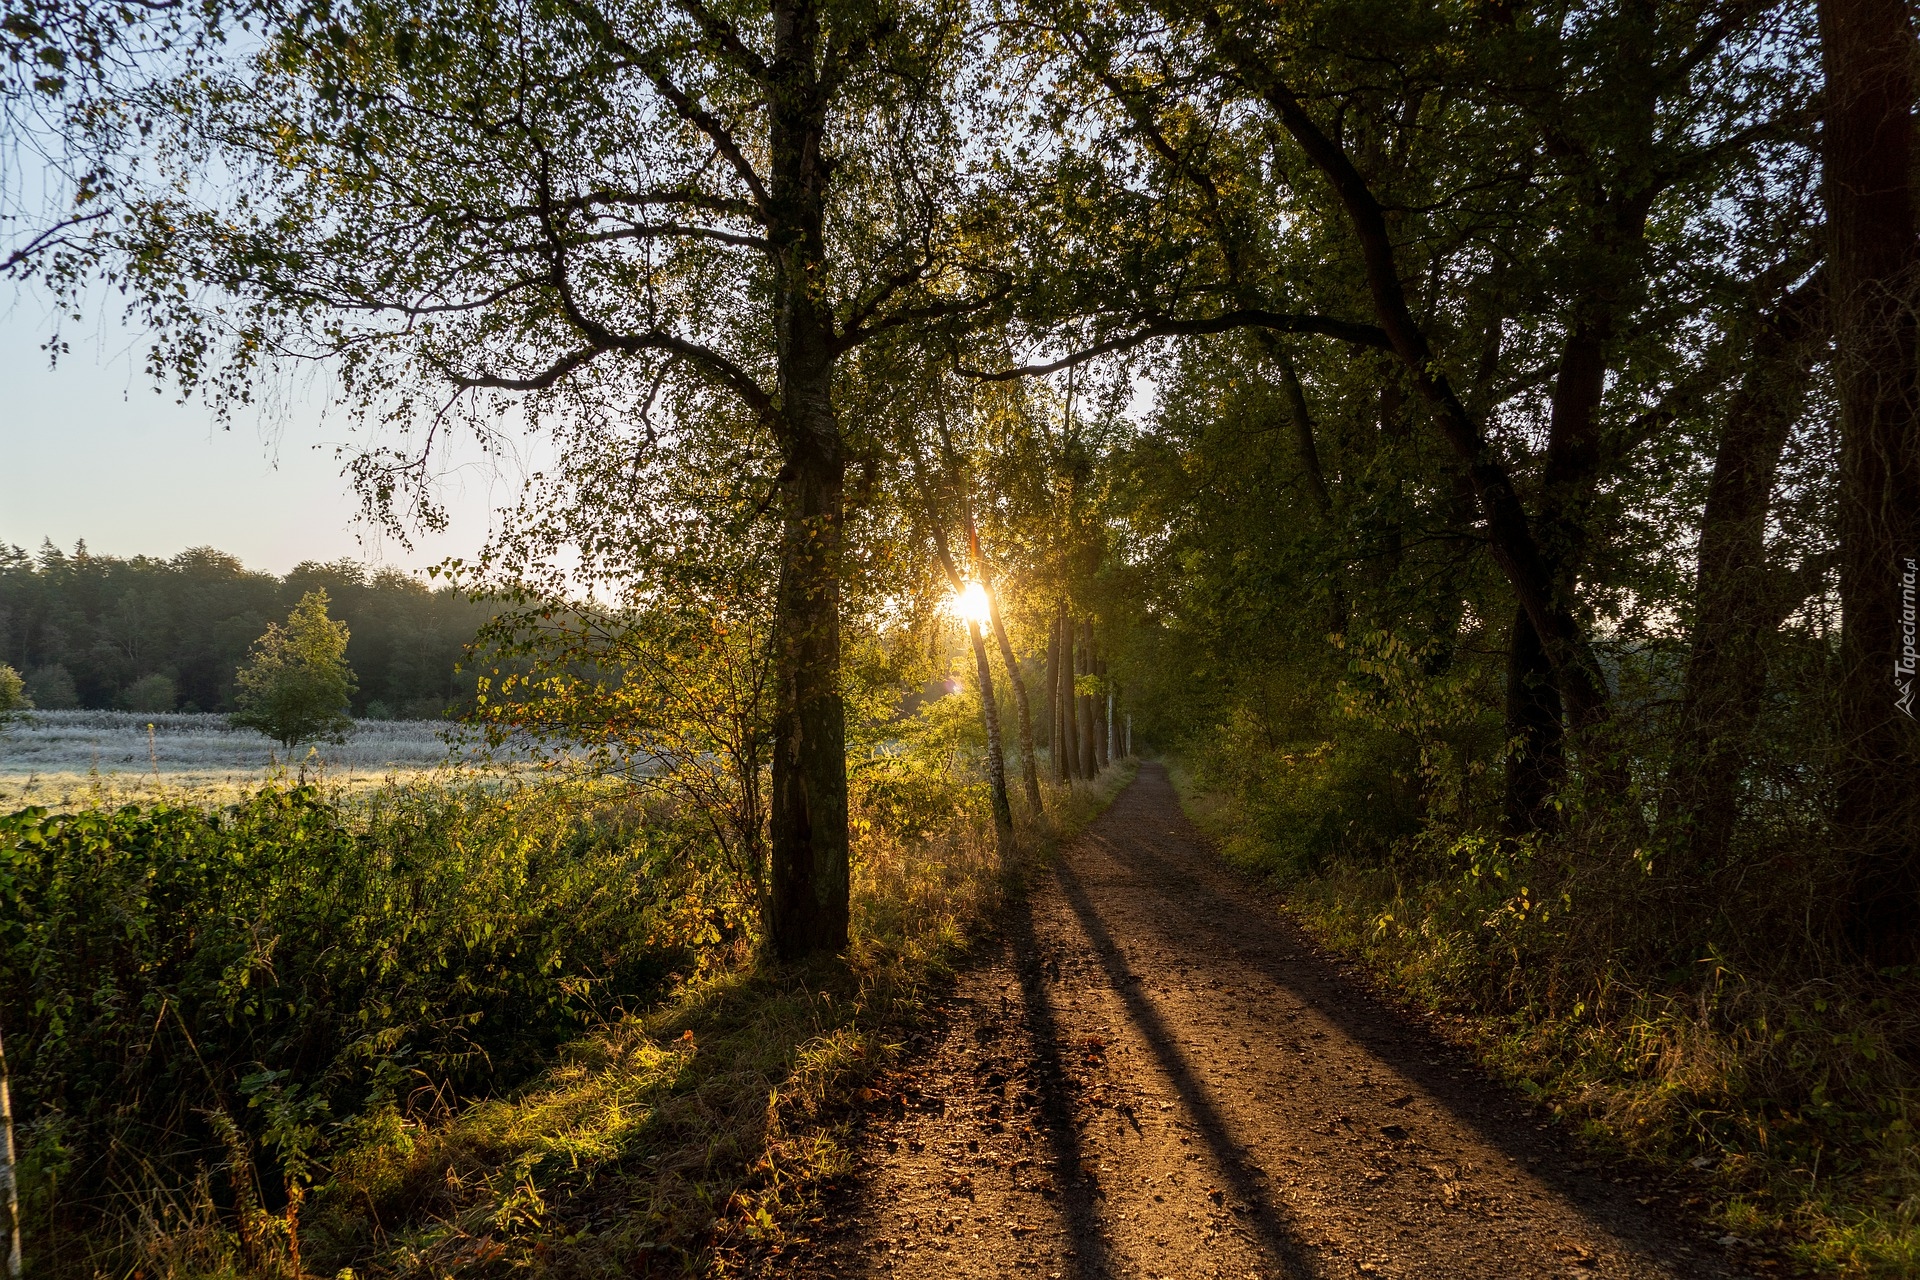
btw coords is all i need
(1152, 1074)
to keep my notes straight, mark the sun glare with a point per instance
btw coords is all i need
(971, 604)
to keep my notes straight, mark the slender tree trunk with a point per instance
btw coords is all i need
(1737, 600)
(1089, 761)
(1029, 766)
(1113, 727)
(996, 757)
(1103, 720)
(1069, 726)
(9, 1172)
(989, 706)
(1053, 691)
(1867, 53)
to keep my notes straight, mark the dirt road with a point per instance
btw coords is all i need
(1154, 1075)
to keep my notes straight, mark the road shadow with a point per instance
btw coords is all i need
(1077, 1190)
(1247, 923)
(1269, 1220)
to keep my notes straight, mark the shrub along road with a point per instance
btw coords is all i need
(1155, 1075)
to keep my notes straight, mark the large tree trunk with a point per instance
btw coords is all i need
(1536, 732)
(1737, 598)
(808, 880)
(807, 819)
(1867, 52)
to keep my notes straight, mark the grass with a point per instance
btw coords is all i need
(695, 1138)
(1787, 1106)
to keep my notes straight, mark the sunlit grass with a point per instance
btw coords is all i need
(697, 1137)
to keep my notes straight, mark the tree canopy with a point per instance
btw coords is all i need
(1502, 379)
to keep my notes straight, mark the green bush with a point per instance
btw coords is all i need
(52, 688)
(13, 693)
(205, 1006)
(149, 693)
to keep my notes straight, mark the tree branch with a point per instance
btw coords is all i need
(1246, 318)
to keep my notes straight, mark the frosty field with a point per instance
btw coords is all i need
(65, 758)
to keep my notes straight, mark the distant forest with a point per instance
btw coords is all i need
(149, 634)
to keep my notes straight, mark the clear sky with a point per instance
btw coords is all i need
(89, 450)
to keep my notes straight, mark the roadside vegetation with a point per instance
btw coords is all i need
(442, 1025)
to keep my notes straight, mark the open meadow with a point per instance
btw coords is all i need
(69, 759)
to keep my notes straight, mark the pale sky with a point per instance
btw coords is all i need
(91, 451)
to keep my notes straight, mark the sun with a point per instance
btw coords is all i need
(971, 605)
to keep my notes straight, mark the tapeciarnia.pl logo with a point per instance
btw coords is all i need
(1909, 658)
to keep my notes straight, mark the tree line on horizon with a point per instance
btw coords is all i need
(162, 634)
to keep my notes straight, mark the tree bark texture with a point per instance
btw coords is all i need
(808, 871)
(1867, 53)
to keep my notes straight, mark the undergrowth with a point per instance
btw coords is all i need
(449, 1029)
(1785, 1093)
(698, 1137)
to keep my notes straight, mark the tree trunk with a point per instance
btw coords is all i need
(807, 818)
(1066, 735)
(1089, 760)
(1053, 693)
(1113, 725)
(996, 757)
(9, 1172)
(1738, 603)
(808, 873)
(1867, 53)
(1103, 720)
(989, 707)
(1029, 767)
(1536, 732)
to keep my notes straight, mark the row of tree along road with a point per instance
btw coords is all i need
(1588, 332)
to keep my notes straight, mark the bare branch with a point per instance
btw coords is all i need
(1250, 318)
